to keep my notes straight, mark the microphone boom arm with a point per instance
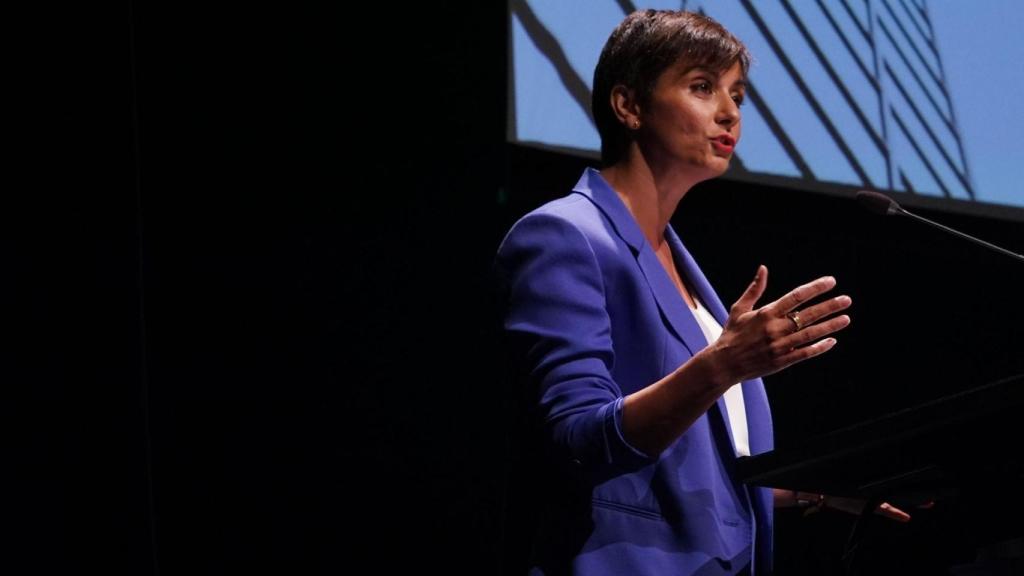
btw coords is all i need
(901, 211)
(885, 206)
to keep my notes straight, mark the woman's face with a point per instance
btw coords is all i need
(692, 120)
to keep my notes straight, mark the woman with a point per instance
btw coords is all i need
(647, 389)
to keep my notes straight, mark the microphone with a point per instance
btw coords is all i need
(882, 204)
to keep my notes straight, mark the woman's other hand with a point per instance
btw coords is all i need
(856, 506)
(813, 502)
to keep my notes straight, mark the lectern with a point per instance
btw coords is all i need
(969, 445)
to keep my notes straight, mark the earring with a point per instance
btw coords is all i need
(636, 124)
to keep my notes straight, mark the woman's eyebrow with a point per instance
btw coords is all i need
(701, 70)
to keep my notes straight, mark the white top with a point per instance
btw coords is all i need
(734, 395)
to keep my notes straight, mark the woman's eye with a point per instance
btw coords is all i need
(738, 99)
(702, 87)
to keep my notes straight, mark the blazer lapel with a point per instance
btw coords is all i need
(672, 305)
(755, 401)
(673, 308)
(699, 283)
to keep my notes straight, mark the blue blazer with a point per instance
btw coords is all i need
(596, 318)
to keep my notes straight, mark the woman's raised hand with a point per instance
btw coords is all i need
(765, 340)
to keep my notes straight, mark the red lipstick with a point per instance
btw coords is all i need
(724, 143)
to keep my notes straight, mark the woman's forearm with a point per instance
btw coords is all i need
(653, 418)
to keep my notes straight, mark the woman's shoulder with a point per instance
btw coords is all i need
(573, 207)
(570, 215)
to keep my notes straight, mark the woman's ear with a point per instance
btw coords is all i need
(625, 106)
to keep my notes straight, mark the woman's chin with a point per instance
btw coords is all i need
(715, 168)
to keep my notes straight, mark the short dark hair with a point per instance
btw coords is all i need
(641, 48)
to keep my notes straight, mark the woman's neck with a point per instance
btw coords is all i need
(651, 196)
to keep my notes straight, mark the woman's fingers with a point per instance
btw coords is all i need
(856, 506)
(804, 326)
(753, 292)
(806, 352)
(812, 333)
(799, 295)
(812, 314)
(765, 340)
(890, 511)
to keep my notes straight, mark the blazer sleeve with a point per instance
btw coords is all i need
(556, 313)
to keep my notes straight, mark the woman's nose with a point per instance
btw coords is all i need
(728, 112)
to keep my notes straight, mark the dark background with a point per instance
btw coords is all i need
(267, 343)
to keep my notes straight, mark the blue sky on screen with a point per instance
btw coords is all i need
(984, 58)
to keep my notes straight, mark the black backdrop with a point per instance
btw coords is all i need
(267, 345)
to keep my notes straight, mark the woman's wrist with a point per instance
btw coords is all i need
(715, 368)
